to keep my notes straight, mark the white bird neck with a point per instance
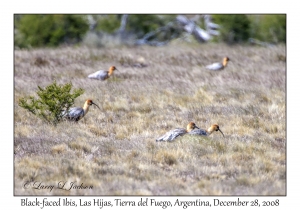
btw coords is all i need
(225, 62)
(189, 128)
(210, 130)
(86, 107)
(110, 72)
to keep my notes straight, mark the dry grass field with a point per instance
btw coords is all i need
(155, 89)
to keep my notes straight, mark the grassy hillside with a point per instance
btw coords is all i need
(153, 91)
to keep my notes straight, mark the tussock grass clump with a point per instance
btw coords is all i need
(165, 157)
(154, 91)
(58, 149)
(81, 146)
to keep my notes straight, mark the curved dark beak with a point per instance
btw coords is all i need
(221, 132)
(197, 127)
(96, 105)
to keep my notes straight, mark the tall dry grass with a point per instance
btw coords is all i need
(155, 90)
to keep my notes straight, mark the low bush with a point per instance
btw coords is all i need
(53, 100)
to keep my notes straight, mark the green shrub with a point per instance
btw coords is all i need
(268, 28)
(108, 23)
(234, 28)
(53, 100)
(138, 24)
(142, 24)
(49, 30)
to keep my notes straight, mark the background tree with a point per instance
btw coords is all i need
(234, 28)
(152, 29)
(49, 30)
(268, 28)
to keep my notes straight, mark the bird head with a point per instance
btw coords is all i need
(225, 61)
(111, 70)
(89, 102)
(191, 126)
(215, 127)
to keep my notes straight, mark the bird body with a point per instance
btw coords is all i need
(171, 135)
(218, 66)
(101, 74)
(77, 113)
(210, 130)
(200, 132)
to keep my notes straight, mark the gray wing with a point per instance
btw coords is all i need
(215, 66)
(102, 75)
(198, 132)
(75, 113)
(171, 135)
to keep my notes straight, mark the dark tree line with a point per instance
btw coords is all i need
(148, 29)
